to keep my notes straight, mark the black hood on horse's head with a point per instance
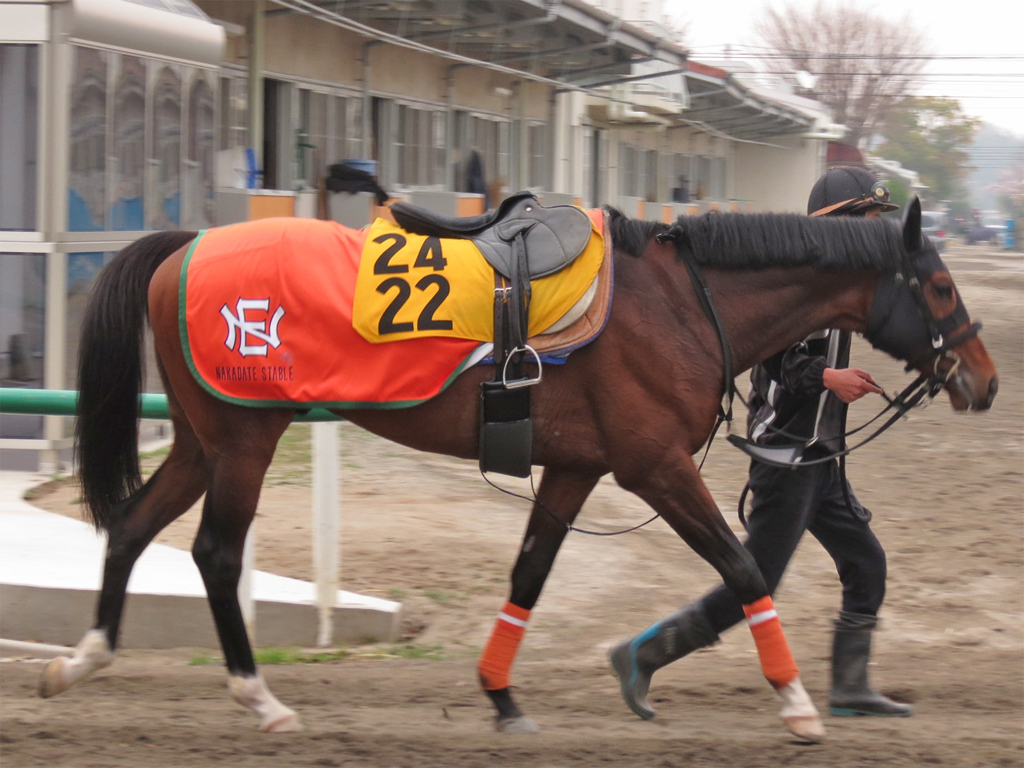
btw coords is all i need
(898, 323)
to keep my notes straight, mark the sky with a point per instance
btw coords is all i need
(979, 45)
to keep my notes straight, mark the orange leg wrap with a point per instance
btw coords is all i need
(777, 660)
(495, 663)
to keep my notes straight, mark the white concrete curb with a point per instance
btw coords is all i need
(34, 650)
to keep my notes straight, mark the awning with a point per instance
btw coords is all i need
(174, 28)
(571, 45)
(723, 104)
(564, 42)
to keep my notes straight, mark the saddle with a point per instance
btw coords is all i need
(522, 240)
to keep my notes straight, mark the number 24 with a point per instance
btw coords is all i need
(430, 255)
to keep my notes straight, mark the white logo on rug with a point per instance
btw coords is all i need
(238, 322)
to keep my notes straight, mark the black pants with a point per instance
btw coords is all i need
(787, 502)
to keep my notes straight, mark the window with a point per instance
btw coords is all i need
(649, 190)
(490, 139)
(82, 271)
(682, 187)
(19, 110)
(540, 165)
(129, 153)
(312, 137)
(702, 190)
(420, 146)
(164, 211)
(439, 130)
(22, 316)
(717, 183)
(234, 113)
(87, 150)
(588, 166)
(198, 182)
(630, 170)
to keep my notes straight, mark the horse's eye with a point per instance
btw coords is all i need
(944, 292)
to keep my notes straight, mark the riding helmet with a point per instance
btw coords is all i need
(848, 191)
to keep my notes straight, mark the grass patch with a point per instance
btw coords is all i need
(298, 656)
(292, 464)
(284, 656)
(439, 596)
(407, 651)
(152, 456)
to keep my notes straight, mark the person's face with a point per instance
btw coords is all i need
(873, 213)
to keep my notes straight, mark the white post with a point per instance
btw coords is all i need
(245, 598)
(326, 524)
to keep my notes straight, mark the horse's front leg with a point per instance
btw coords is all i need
(677, 493)
(562, 494)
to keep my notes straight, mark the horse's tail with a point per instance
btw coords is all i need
(110, 373)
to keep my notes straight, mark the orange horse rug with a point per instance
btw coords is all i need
(289, 311)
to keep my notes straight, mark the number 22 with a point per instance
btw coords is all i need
(429, 255)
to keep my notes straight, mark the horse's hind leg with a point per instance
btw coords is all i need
(235, 480)
(169, 493)
(562, 494)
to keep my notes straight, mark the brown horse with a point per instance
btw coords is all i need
(638, 402)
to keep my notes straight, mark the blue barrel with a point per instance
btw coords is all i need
(370, 166)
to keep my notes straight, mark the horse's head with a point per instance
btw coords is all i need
(917, 315)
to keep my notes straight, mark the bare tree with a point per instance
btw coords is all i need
(863, 64)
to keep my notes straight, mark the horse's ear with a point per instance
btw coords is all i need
(912, 225)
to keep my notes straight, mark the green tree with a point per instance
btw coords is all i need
(931, 136)
(899, 193)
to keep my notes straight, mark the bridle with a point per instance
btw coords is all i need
(887, 329)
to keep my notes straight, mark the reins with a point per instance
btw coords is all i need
(569, 527)
(916, 394)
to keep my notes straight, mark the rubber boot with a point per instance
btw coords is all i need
(851, 694)
(636, 660)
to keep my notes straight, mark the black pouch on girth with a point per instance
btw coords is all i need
(506, 432)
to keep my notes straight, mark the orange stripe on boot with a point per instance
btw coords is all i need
(777, 660)
(495, 663)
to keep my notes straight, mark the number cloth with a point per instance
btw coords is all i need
(266, 312)
(413, 285)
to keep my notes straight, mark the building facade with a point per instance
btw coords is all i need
(119, 117)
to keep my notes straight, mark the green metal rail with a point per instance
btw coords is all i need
(61, 402)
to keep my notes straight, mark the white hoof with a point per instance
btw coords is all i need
(252, 693)
(806, 728)
(287, 724)
(799, 713)
(517, 725)
(92, 653)
(51, 682)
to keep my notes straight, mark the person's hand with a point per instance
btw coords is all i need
(849, 384)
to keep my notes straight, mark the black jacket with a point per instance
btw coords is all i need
(787, 393)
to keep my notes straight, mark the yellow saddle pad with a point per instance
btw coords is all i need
(413, 286)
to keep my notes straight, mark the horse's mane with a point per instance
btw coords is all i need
(761, 240)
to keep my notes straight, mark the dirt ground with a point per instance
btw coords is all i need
(947, 491)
